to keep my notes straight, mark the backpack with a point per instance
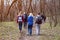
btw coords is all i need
(39, 20)
(19, 18)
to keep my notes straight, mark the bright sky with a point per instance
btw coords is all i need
(5, 2)
(10, 1)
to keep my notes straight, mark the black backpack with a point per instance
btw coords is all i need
(39, 20)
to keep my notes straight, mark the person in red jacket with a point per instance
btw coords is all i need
(19, 21)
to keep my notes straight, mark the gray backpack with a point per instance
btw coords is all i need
(39, 20)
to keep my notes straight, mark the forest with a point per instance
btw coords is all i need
(50, 8)
(9, 10)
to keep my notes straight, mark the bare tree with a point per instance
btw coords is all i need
(2, 6)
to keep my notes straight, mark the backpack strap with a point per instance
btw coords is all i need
(38, 19)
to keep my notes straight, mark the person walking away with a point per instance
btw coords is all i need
(25, 19)
(30, 23)
(38, 23)
(19, 21)
(43, 18)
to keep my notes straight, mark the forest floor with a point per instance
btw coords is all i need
(10, 31)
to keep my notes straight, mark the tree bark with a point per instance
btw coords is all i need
(2, 6)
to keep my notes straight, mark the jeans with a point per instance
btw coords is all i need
(25, 24)
(20, 26)
(37, 28)
(30, 29)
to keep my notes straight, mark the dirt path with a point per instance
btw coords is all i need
(45, 35)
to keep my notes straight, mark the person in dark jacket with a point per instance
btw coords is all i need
(38, 23)
(43, 17)
(30, 23)
(25, 19)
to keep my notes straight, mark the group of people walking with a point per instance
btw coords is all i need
(24, 18)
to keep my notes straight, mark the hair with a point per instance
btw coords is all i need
(24, 12)
(30, 14)
(38, 13)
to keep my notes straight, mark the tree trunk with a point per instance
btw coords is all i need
(2, 7)
(9, 9)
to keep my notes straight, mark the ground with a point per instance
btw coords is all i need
(10, 31)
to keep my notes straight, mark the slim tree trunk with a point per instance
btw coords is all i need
(20, 5)
(30, 7)
(2, 6)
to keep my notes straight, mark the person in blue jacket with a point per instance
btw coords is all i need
(30, 23)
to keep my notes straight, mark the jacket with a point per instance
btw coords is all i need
(30, 20)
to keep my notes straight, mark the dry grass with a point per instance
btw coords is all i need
(10, 31)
